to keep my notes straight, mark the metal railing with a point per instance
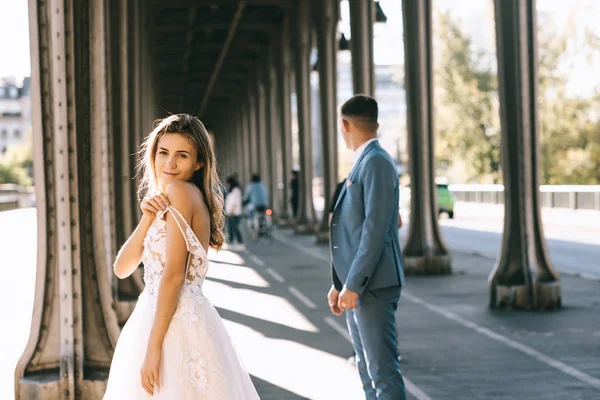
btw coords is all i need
(14, 196)
(576, 197)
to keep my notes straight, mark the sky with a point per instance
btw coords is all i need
(14, 38)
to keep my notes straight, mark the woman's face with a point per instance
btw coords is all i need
(176, 159)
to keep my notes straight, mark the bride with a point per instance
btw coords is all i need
(174, 345)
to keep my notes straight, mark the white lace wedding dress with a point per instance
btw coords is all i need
(198, 361)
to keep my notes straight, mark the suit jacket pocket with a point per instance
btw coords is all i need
(354, 196)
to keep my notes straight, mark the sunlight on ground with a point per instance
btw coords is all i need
(257, 305)
(295, 367)
(236, 274)
(225, 256)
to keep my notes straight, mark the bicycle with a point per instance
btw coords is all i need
(260, 223)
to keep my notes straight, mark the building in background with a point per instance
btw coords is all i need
(15, 112)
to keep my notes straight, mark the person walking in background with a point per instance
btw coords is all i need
(256, 195)
(367, 268)
(233, 210)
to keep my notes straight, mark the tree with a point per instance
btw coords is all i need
(16, 165)
(569, 121)
(467, 107)
(466, 104)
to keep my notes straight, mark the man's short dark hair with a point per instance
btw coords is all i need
(255, 178)
(361, 106)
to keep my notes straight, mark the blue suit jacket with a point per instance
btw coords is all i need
(364, 242)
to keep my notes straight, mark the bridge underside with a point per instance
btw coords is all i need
(103, 70)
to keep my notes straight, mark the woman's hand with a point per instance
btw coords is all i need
(149, 372)
(152, 205)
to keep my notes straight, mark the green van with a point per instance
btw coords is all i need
(445, 199)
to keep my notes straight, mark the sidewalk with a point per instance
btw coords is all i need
(455, 347)
(273, 301)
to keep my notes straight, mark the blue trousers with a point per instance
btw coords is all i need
(373, 330)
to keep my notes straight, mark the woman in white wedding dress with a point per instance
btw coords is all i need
(175, 346)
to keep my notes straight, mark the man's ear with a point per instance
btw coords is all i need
(346, 125)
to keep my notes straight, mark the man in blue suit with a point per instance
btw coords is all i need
(367, 268)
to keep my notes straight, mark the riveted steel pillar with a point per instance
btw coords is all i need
(425, 251)
(120, 102)
(261, 125)
(523, 277)
(126, 291)
(136, 89)
(268, 158)
(252, 130)
(362, 18)
(282, 69)
(326, 17)
(274, 147)
(74, 327)
(239, 144)
(245, 145)
(306, 220)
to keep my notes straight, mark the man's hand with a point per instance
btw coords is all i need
(332, 300)
(347, 299)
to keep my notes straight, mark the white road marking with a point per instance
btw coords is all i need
(300, 296)
(300, 247)
(410, 387)
(257, 260)
(275, 275)
(343, 331)
(564, 368)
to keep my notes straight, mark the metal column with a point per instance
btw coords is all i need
(306, 221)
(523, 276)
(282, 70)
(362, 18)
(425, 251)
(326, 17)
(74, 327)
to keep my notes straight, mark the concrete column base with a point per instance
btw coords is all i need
(124, 309)
(428, 265)
(46, 386)
(541, 296)
(286, 223)
(323, 237)
(303, 228)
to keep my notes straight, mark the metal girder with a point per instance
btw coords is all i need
(219, 3)
(230, 35)
(188, 50)
(216, 25)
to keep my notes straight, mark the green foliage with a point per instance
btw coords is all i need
(467, 108)
(466, 104)
(16, 166)
(569, 125)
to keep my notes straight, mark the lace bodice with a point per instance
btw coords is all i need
(154, 256)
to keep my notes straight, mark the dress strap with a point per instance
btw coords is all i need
(181, 223)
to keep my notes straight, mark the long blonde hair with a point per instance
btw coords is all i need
(206, 178)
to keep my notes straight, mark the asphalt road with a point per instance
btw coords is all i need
(573, 236)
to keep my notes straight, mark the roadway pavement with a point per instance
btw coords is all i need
(272, 298)
(572, 236)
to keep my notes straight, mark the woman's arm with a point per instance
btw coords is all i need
(130, 255)
(180, 195)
